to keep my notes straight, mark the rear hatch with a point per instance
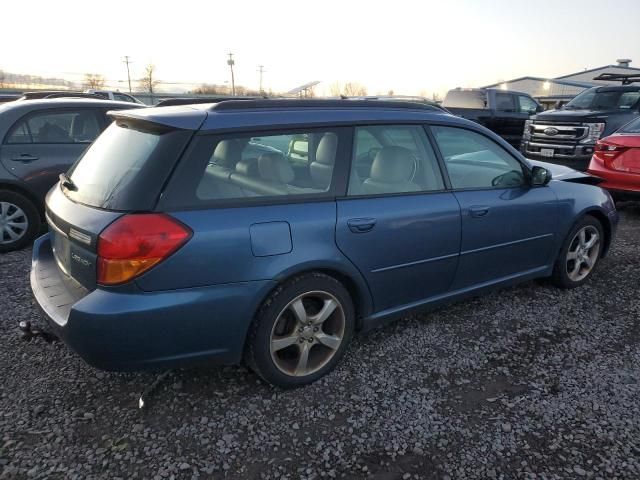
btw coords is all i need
(123, 171)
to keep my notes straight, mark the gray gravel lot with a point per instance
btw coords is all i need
(528, 382)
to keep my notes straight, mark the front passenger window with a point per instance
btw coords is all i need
(475, 161)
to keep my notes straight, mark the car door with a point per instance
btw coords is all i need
(398, 224)
(507, 225)
(45, 143)
(510, 118)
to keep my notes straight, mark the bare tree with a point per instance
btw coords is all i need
(208, 89)
(94, 81)
(354, 89)
(349, 89)
(148, 83)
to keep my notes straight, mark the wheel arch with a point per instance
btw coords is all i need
(19, 189)
(606, 227)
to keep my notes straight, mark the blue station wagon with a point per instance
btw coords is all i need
(270, 231)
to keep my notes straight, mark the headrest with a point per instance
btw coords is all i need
(326, 152)
(228, 153)
(248, 167)
(275, 168)
(393, 164)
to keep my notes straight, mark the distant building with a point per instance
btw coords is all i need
(548, 91)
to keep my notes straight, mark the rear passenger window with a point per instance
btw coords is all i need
(56, 127)
(393, 159)
(256, 165)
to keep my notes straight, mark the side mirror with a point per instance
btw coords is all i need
(558, 105)
(539, 109)
(540, 176)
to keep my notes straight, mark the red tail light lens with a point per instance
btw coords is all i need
(134, 243)
(609, 151)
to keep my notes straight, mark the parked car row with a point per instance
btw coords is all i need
(270, 231)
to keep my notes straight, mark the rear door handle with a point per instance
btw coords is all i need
(478, 211)
(24, 157)
(361, 225)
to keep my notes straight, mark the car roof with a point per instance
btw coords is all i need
(66, 102)
(285, 113)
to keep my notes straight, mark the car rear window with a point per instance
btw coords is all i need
(126, 167)
(631, 127)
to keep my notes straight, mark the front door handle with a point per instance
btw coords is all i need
(24, 157)
(478, 211)
(361, 225)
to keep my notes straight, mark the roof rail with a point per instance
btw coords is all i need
(58, 94)
(168, 102)
(320, 103)
(625, 78)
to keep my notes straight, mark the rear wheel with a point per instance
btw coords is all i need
(580, 253)
(19, 221)
(301, 331)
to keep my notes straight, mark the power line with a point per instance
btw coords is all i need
(231, 63)
(261, 70)
(127, 61)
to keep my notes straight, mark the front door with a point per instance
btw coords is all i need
(397, 224)
(507, 225)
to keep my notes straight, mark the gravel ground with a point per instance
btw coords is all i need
(528, 382)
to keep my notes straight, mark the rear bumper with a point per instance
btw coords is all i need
(136, 330)
(620, 184)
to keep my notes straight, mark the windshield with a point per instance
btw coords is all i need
(604, 99)
(125, 168)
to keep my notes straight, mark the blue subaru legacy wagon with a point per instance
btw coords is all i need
(269, 231)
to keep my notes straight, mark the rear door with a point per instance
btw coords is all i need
(509, 118)
(398, 224)
(43, 144)
(508, 227)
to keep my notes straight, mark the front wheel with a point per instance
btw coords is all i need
(580, 253)
(301, 331)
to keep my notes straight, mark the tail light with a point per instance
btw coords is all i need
(135, 243)
(608, 151)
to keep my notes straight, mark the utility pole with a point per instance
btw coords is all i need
(127, 61)
(231, 63)
(261, 71)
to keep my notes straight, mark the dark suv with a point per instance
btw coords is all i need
(272, 230)
(40, 139)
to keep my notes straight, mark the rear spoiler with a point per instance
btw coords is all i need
(181, 118)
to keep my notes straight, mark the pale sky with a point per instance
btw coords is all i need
(407, 46)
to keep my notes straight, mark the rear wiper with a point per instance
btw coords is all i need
(67, 183)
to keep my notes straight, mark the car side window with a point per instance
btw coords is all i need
(393, 159)
(475, 161)
(251, 166)
(123, 98)
(56, 127)
(526, 104)
(505, 102)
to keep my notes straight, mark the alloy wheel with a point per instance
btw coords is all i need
(307, 333)
(583, 253)
(13, 223)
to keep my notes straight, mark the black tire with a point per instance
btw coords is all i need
(561, 277)
(258, 355)
(32, 218)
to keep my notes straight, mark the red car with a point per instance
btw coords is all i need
(617, 161)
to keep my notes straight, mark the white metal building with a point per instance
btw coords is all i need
(550, 90)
